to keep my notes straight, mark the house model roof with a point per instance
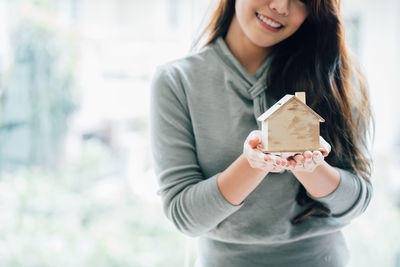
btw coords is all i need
(282, 102)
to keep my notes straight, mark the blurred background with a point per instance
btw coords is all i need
(76, 181)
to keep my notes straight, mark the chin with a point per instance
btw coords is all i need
(265, 43)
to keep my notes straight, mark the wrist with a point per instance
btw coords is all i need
(321, 182)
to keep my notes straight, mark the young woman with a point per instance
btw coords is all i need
(248, 208)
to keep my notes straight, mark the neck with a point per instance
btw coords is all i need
(246, 52)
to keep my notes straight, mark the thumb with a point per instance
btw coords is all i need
(254, 142)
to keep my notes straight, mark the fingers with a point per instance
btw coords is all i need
(254, 143)
(291, 164)
(257, 159)
(298, 162)
(275, 160)
(278, 162)
(277, 168)
(268, 159)
(327, 147)
(287, 155)
(309, 160)
(299, 158)
(254, 156)
(308, 163)
(269, 163)
(318, 157)
(275, 163)
(307, 155)
(254, 139)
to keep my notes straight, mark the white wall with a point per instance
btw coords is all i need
(379, 58)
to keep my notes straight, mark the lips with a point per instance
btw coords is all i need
(269, 22)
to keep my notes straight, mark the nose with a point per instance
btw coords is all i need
(280, 6)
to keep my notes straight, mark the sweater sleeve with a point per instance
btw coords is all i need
(191, 201)
(350, 198)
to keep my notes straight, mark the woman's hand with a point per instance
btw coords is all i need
(308, 161)
(257, 159)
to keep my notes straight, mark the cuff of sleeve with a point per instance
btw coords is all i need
(344, 196)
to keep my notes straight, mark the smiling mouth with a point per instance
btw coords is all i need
(269, 22)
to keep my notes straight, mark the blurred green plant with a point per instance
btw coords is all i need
(85, 214)
(40, 94)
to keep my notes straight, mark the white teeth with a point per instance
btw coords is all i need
(268, 21)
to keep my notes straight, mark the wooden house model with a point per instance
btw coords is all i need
(290, 126)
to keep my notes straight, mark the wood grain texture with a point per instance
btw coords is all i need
(291, 128)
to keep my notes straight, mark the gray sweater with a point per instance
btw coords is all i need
(203, 106)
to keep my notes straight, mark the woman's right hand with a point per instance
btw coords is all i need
(257, 159)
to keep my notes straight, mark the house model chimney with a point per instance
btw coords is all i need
(301, 96)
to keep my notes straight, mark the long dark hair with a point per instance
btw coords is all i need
(316, 60)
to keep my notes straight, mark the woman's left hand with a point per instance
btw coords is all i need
(308, 161)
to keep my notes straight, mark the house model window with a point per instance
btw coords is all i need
(290, 126)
